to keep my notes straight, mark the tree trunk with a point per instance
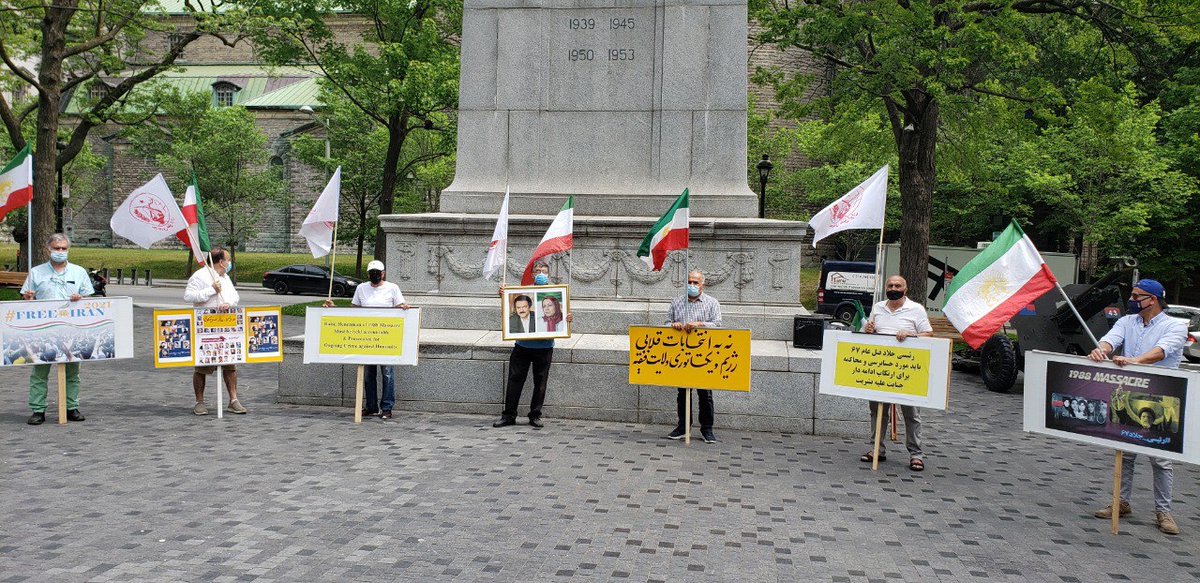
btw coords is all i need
(917, 148)
(45, 156)
(397, 132)
(362, 235)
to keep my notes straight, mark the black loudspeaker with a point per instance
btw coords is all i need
(809, 331)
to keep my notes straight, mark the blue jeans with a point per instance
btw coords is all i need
(389, 388)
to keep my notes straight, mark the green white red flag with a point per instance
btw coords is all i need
(196, 235)
(16, 183)
(558, 238)
(1001, 281)
(670, 233)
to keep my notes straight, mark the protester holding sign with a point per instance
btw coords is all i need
(694, 310)
(379, 294)
(56, 279)
(1145, 336)
(904, 318)
(210, 287)
(527, 353)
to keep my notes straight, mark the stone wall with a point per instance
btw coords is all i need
(464, 371)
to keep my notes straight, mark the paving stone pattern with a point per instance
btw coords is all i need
(145, 491)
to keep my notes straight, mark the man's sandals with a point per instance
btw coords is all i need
(866, 457)
(916, 464)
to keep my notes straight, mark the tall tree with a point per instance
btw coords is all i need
(919, 59)
(226, 152)
(56, 48)
(402, 75)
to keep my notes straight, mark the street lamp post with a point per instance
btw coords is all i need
(764, 173)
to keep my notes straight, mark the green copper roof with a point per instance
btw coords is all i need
(257, 86)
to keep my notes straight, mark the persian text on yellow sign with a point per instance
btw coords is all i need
(706, 358)
(887, 369)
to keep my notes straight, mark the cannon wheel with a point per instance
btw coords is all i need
(998, 363)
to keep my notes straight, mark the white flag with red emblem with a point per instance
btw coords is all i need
(319, 224)
(861, 208)
(149, 215)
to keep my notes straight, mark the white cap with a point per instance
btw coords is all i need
(375, 265)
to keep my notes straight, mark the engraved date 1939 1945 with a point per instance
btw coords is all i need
(612, 54)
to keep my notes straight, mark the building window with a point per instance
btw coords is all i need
(224, 93)
(174, 40)
(97, 91)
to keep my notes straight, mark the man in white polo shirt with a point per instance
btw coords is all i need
(904, 318)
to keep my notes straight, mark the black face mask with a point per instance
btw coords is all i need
(894, 294)
(375, 276)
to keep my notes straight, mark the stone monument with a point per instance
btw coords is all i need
(621, 105)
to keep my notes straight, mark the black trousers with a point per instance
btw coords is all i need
(518, 368)
(706, 407)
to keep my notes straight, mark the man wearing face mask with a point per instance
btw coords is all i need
(1146, 336)
(55, 280)
(529, 353)
(904, 318)
(377, 294)
(694, 310)
(210, 287)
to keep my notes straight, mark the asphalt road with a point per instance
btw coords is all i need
(169, 294)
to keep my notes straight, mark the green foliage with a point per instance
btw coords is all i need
(226, 152)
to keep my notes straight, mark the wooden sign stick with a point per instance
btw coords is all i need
(687, 417)
(880, 411)
(62, 393)
(358, 395)
(1116, 498)
(220, 390)
(895, 423)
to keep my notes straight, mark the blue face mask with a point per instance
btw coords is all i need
(693, 291)
(1133, 306)
(58, 256)
(541, 279)
(229, 268)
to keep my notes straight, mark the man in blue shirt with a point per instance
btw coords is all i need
(1147, 336)
(536, 353)
(694, 310)
(55, 280)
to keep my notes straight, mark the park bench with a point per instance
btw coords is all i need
(12, 278)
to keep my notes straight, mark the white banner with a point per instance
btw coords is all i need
(877, 367)
(59, 331)
(362, 335)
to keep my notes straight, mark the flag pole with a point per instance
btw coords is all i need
(1076, 312)
(29, 236)
(332, 259)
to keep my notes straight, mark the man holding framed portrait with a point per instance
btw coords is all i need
(533, 316)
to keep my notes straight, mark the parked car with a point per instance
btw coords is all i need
(841, 283)
(1191, 315)
(308, 279)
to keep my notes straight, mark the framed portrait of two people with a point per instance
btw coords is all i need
(536, 312)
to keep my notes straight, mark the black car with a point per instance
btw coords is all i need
(308, 279)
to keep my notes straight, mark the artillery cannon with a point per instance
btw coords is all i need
(1049, 325)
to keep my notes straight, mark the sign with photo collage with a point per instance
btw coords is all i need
(213, 337)
(1139, 409)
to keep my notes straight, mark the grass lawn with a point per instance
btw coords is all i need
(809, 278)
(298, 309)
(9, 294)
(173, 263)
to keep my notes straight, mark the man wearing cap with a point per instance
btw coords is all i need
(378, 294)
(1146, 336)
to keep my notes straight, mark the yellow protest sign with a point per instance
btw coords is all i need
(891, 369)
(362, 335)
(706, 358)
(878, 367)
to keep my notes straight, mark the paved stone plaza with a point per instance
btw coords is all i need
(145, 491)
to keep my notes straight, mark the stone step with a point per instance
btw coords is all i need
(602, 316)
(465, 371)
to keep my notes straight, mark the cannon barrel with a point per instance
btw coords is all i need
(1094, 298)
